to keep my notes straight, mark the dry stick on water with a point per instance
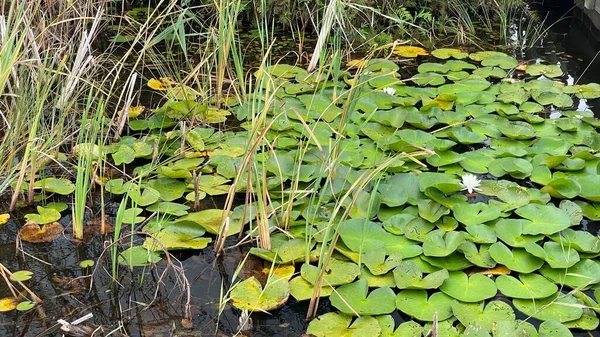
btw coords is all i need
(4, 271)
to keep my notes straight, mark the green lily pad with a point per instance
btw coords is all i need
(138, 256)
(440, 243)
(361, 236)
(428, 79)
(283, 249)
(501, 61)
(528, 286)
(582, 275)
(516, 259)
(551, 70)
(415, 303)
(352, 299)
(563, 188)
(45, 216)
(302, 290)
(430, 67)
(555, 254)
(377, 263)
(493, 72)
(181, 235)
(581, 241)
(336, 324)
(486, 316)
(472, 214)
(482, 55)
(60, 186)
(409, 276)
(446, 53)
(560, 307)
(406, 329)
(211, 220)
(554, 328)
(337, 273)
(475, 288)
(250, 295)
(511, 232)
(168, 188)
(480, 257)
(543, 219)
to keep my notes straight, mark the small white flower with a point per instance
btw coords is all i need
(538, 61)
(389, 90)
(470, 183)
(570, 80)
(582, 106)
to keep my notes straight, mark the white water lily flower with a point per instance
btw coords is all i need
(389, 90)
(570, 80)
(470, 183)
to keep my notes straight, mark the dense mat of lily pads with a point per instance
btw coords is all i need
(485, 220)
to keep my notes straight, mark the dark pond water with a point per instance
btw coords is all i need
(123, 308)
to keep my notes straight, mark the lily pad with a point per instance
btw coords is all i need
(516, 259)
(560, 307)
(446, 53)
(409, 51)
(469, 289)
(543, 219)
(302, 290)
(32, 232)
(250, 295)
(138, 256)
(528, 286)
(60, 186)
(352, 299)
(336, 324)
(406, 329)
(475, 313)
(555, 254)
(554, 328)
(415, 303)
(582, 275)
(377, 262)
(337, 273)
(409, 276)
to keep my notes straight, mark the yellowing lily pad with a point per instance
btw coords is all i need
(250, 294)
(409, 51)
(4, 218)
(8, 304)
(32, 232)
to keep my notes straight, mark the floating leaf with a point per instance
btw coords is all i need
(338, 273)
(409, 51)
(377, 263)
(336, 324)
(138, 256)
(474, 313)
(528, 286)
(8, 304)
(543, 219)
(409, 276)
(446, 53)
(352, 299)
(46, 215)
(551, 70)
(21, 275)
(560, 307)
(554, 328)
(32, 232)
(60, 186)
(469, 289)
(302, 290)
(406, 329)
(250, 294)
(25, 305)
(415, 303)
(4, 218)
(87, 263)
(516, 259)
